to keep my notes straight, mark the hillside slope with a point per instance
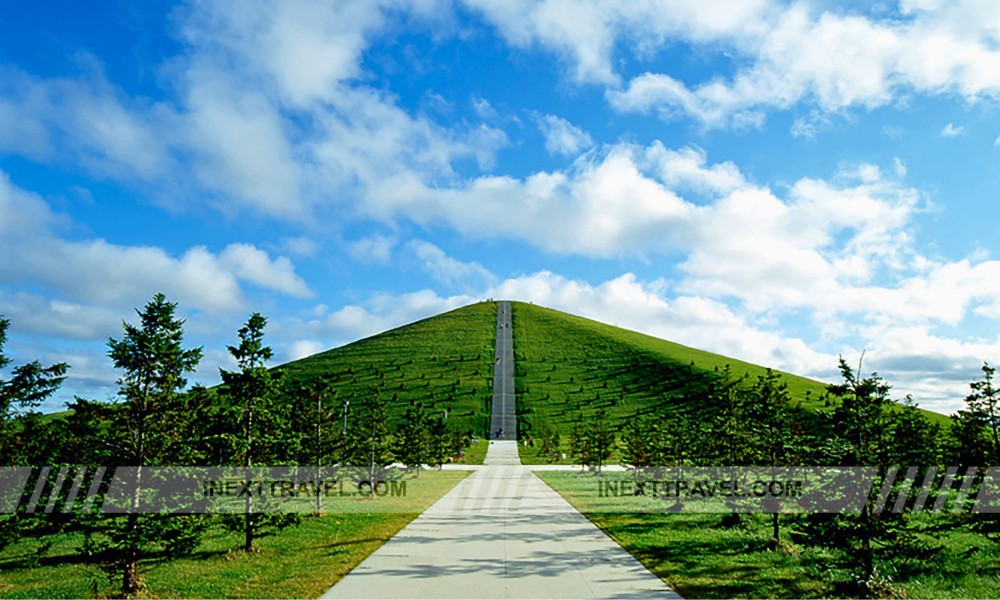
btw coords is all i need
(565, 363)
(440, 363)
(568, 364)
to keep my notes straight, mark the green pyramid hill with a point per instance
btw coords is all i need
(565, 364)
(441, 363)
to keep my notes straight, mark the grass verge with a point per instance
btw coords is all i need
(701, 557)
(298, 562)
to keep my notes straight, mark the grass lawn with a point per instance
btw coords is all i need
(701, 558)
(443, 363)
(301, 561)
(567, 364)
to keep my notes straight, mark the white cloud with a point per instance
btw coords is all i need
(484, 109)
(100, 273)
(784, 54)
(447, 270)
(301, 246)
(585, 34)
(268, 113)
(811, 125)
(899, 167)
(89, 120)
(379, 312)
(304, 348)
(950, 130)
(602, 206)
(562, 138)
(255, 266)
(376, 249)
(302, 49)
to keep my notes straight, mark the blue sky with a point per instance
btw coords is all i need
(782, 182)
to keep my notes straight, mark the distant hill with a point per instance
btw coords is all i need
(442, 363)
(564, 364)
(567, 363)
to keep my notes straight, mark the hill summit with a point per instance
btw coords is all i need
(565, 365)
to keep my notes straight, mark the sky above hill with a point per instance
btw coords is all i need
(782, 182)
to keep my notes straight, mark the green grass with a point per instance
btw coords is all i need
(441, 363)
(701, 558)
(301, 561)
(565, 364)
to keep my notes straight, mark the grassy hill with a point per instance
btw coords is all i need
(567, 364)
(564, 364)
(440, 363)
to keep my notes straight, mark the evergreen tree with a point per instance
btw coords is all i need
(411, 444)
(31, 441)
(976, 429)
(369, 442)
(437, 441)
(914, 439)
(728, 435)
(580, 449)
(639, 443)
(602, 439)
(313, 408)
(27, 387)
(144, 432)
(862, 422)
(767, 420)
(252, 391)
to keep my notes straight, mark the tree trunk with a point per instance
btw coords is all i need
(129, 584)
(248, 523)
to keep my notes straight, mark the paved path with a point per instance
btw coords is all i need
(501, 533)
(504, 414)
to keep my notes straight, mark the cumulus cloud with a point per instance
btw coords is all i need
(97, 272)
(601, 206)
(784, 53)
(950, 130)
(562, 138)
(268, 112)
(447, 270)
(377, 313)
(376, 249)
(90, 121)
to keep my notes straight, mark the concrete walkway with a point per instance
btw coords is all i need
(501, 533)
